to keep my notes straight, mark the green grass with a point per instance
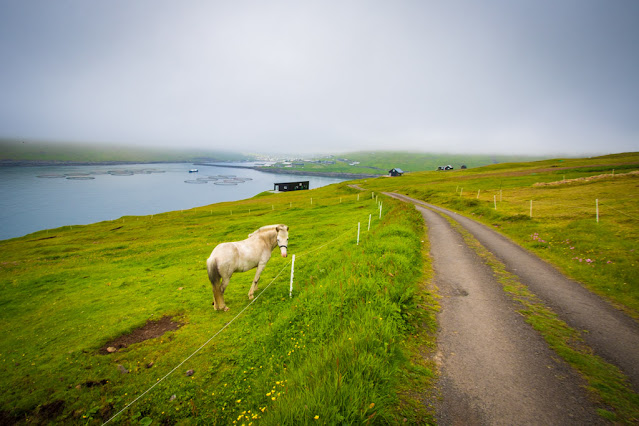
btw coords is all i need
(350, 346)
(345, 348)
(563, 227)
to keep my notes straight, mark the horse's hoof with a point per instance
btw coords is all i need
(250, 297)
(226, 308)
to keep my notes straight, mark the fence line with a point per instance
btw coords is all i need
(197, 350)
(225, 325)
(593, 205)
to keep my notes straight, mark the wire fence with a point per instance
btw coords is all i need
(549, 206)
(226, 325)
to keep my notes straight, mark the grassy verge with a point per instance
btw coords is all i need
(339, 351)
(606, 382)
(563, 228)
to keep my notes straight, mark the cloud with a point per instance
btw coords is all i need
(463, 76)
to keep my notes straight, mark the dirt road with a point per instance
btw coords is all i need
(495, 369)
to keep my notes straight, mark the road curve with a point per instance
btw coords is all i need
(609, 332)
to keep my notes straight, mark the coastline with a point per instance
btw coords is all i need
(295, 172)
(43, 163)
(40, 163)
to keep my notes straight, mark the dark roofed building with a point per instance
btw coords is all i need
(395, 172)
(291, 186)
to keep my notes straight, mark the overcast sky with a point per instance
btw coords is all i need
(488, 76)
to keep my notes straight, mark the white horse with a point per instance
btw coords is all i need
(241, 256)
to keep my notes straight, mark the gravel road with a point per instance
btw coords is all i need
(494, 368)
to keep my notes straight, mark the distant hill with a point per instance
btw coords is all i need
(380, 162)
(12, 151)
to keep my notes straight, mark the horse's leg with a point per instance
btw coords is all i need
(220, 304)
(219, 283)
(260, 268)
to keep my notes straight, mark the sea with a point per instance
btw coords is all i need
(34, 198)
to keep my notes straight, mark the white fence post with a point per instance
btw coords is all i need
(358, 223)
(380, 210)
(495, 201)
(290, 292)
(369, 222)
(478, 193)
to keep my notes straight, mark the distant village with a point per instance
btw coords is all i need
(298, 162)
(330, 160)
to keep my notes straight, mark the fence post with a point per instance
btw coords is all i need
(380, 210)
(290, 292)
(358, 223)
(369, 221)
(461, 192)
(597, 208)
(530, 208)
(495, 201)
(478, 193)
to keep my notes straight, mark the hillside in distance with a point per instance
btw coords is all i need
(19, 152)
(33, 152)
(380, 162)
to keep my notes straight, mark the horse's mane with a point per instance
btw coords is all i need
(262, 229)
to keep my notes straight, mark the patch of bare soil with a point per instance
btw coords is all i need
(150, 330)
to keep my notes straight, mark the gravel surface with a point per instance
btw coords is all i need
(494, 368)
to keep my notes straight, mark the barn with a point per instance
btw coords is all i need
(395, 172)
(291, 186)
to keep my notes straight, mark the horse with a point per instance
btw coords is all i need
(242, 256)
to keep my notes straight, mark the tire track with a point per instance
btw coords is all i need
(609, 332)
(494, 368)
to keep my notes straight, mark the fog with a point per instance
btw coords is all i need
(540, 77)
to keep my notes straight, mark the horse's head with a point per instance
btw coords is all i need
(282, 238)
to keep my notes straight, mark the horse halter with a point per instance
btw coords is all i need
(281, 245)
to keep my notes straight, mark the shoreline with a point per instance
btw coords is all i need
(295, 172)
(48, 163)
(43, 163)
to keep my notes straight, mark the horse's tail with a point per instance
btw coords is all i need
(214, 273)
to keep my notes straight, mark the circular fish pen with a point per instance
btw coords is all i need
(120, 172)
(51, 176)
(195, 181)
(80, 177)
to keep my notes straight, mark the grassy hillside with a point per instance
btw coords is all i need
(11, 150)
(380, 162)
(346, 348)
(563, 228)
(339, 350)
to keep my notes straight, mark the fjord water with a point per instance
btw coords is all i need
(32, 199)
